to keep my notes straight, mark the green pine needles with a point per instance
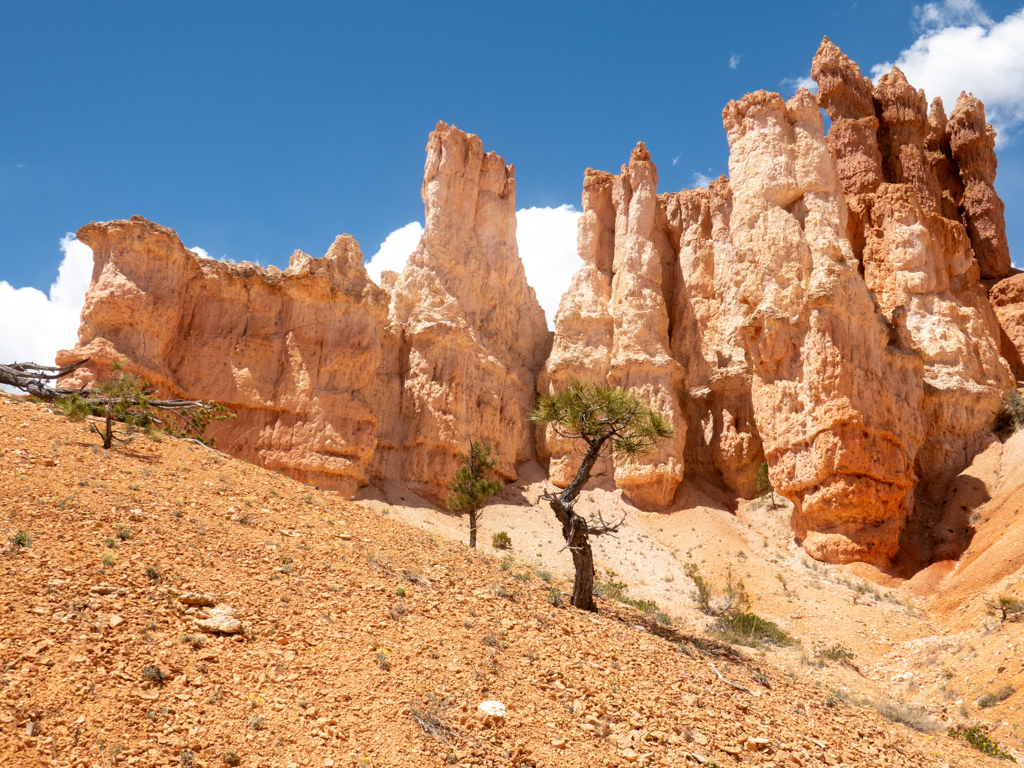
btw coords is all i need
(470, 489)
(126, 400)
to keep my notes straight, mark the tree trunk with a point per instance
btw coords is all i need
(472, 528)
(108, 434)
(583, 585)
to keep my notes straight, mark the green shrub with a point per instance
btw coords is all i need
(1010, 417)
(154, 675)
(20, 540)
(501, 540)
(977, 736)
(231, 758)
(751, 630)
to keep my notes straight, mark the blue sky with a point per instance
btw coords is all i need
(255, 128)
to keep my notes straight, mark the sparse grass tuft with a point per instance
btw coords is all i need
(231, 758)
(501, 540)
(836, 652)
(430, 718)
(19, 541)
(153, 573)
(732, 599)
(991, 699)
(751, 630)
(906, 714)
(194, 641)
(154, 675)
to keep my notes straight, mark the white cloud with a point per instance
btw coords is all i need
(700, 180)
(33, 326)
(200, 252)
(676, 158)
(962, 49)
(794, 84)
(547, 246)
(734, 60)
(395, 250)
(959, 13)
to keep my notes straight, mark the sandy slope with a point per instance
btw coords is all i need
(334, 659)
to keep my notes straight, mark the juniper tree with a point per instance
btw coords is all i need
(470, 489)
(607, 421)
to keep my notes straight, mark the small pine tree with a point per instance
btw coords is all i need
(764, 483)
(607, 420)
(470, 489)
(127, 400)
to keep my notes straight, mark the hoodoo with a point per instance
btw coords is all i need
(824, 310)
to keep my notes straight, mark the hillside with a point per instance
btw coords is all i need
(364, 641)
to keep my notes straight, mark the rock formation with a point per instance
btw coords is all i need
(291, 353)
(1008, 302)
(925, 244)
(825, 299)
(465, 334)
(824, 310)
(333, 380)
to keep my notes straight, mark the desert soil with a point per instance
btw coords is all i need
(370, 635)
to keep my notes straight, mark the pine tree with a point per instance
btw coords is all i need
(607, 420)
(470, 489)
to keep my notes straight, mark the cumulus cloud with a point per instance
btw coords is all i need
(959, 13)
(547, 246)
(734, 60)
(961, 48)
(700, 180)
(34, 325)
(395, 250)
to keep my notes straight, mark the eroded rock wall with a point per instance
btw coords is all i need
(334, 380)
(922, 206)
(291, 353)
(836, 406)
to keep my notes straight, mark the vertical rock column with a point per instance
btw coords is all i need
(466, 335)
(582, 347)
(972, 142)
(705, 324)
(612, 325)
(837, 408)
(641, 357)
